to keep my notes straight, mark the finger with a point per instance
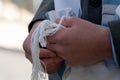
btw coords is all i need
(57, 20)
(66, 22)
(29, 57)
(51, 61)
(55, 48)
(45, 53)
(52, 64)
(56, 37)
(51, 39)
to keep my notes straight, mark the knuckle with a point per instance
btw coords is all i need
(26, 55)
(26, 48)
(60, 37)
(25, 44)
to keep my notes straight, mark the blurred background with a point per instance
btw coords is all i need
(15, 16)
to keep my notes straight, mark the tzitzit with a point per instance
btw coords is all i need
(45, 28)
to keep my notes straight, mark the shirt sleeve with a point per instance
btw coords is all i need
(45, 6)
(115, 39)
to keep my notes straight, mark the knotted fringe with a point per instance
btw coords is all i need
(45, 28)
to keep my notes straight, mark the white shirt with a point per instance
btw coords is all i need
(62, 4)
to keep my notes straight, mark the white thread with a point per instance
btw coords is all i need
(44, 29)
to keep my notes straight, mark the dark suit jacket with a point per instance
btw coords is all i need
(91, 11)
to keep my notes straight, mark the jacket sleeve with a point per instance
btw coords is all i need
(45, 6)
(115, 32)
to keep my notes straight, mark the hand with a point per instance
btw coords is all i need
(81, 42)
(51, 60)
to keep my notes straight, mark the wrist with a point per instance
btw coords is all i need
(106, 44)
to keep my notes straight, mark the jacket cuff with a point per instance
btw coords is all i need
(115, 32)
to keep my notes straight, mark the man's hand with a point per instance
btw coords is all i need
(51, 60)
(81, 42)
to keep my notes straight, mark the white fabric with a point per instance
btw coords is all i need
(93, 72)
(53, 15)
(74, 4)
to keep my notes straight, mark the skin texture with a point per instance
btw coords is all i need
(51, 60)
(81, 42)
